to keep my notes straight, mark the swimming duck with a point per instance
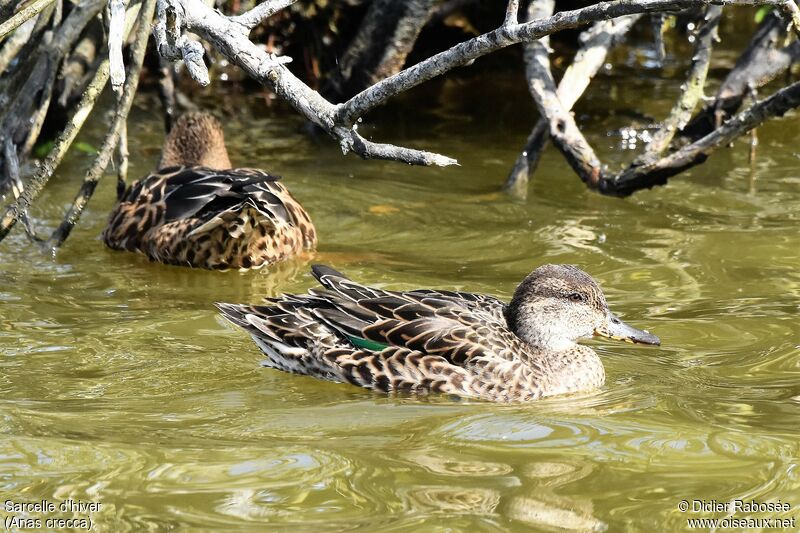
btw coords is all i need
(198, 211)
(465, 344)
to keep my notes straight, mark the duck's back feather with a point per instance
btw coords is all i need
(196, 216)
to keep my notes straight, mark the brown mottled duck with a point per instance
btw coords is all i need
(465, 344)
(197, 211)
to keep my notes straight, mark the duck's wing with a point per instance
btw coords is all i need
(456, 326)
(206, 193)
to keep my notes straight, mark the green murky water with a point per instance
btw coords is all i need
(120, 385)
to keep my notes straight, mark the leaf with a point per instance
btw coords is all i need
(42, 149)
(382, 209)
(762, 12)
(84, 147)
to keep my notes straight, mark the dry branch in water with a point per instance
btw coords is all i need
(36, 45)
(231, 39)
(595, 45)
(656, 173)
(761, 62)
(114, 132)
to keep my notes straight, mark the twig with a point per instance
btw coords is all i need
(116, 28)
(512, 14)
(261, 12)
(692, 89)
(463, 53)
(12, 172)
(595, 44)
(760, 63)
(45, 171)
(657, 173)
(25, 14)
(95, 172)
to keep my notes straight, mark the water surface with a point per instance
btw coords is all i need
(119, 384)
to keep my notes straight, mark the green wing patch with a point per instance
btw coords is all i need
(366, 344)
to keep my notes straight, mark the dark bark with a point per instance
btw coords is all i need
(7, 8)
(380, 47)
(761, 62)
(81, 64)
(15, 121)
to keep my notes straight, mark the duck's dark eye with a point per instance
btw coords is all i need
(576, 297)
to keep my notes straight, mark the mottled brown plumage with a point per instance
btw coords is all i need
(441, 341)
(197, 211)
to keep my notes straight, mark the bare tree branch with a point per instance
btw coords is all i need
(116, 27)
(463, 53)
(27, 13)
(792, 12)
(590, 57)
(512, 14)
(261, 12)
(657, 173)
(760, 63)
(563, 130)
(232, 42)
(95, 172)
(45, 171)
(692, 89)
(12, 171)
(230, 39)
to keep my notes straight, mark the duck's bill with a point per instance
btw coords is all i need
(618, 330)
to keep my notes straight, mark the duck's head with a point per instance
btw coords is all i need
(558, 304)
(196, 139)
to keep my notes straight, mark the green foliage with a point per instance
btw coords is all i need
(41, 149)
(762, 12)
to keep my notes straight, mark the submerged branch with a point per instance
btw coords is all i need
(760, 63)
(658, 172)
(123, 107)
(63, 142)
(595, 45)
(692, 89)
